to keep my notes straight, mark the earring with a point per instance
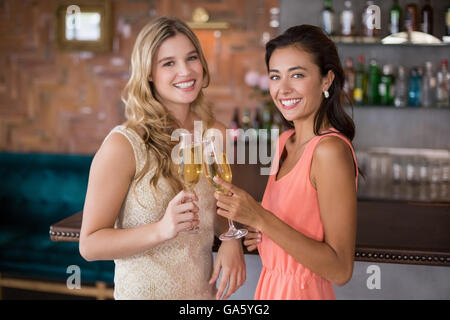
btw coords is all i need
(326, 94)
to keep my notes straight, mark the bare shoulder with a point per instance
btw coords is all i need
(332, 147)
(116, 152)
(332, 158)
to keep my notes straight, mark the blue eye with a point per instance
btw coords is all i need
(298, 76)
(274, 77)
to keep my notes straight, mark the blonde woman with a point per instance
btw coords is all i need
(135, 211)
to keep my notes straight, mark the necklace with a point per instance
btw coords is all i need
(297, 149)
(303, 143)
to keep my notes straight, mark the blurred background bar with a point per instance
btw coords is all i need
(60, 95)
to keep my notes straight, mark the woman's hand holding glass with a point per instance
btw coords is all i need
(181, 215)
(216, 165)
(238, 205)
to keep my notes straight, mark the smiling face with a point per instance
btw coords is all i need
(177, 72)
(296, 85)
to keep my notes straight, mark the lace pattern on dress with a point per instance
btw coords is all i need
(176, 269)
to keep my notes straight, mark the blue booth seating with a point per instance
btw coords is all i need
(37, 190)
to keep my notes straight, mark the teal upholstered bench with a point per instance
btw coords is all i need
(37, 190)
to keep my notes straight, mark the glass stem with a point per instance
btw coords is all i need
(231, 225)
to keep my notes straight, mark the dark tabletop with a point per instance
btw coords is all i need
(387, 231)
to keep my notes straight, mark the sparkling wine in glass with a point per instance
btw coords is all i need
(190, 165)
(215, 164)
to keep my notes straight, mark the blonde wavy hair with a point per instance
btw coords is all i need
(145, 114)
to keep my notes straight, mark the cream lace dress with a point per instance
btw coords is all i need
(178, 268)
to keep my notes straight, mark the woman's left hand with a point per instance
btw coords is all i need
(230, 258)
(238, 205)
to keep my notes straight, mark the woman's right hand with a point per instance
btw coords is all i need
(181, 215)
(252, 239)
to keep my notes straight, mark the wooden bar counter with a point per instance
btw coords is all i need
(403, 232)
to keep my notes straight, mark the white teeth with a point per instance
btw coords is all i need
(290, 102)
(184, 85)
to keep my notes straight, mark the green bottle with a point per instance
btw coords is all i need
(360, 90)
(395, 16)
(373, 97)
(327, 18)
(386, 86)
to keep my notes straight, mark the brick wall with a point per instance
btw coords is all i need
(57, 101)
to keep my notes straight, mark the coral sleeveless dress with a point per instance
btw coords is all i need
(294, 200)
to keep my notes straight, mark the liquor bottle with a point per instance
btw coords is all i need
(349, 81)
(428, 86)
(277, 121)
(400, 88)
(327, 18)
(414, 88)
(234, 125)
(447, 22)
(443, 84)
(395, 16)
(411, 18)
(360, 91)
(373, 98)
(386, 86)
(257, 121)
(368, 29)
(347, 20)
(267, 118)
(426, 18)
(245, 123)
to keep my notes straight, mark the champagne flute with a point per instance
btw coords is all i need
(190, 165)
(215, 165)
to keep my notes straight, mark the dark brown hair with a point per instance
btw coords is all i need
(314, 41)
